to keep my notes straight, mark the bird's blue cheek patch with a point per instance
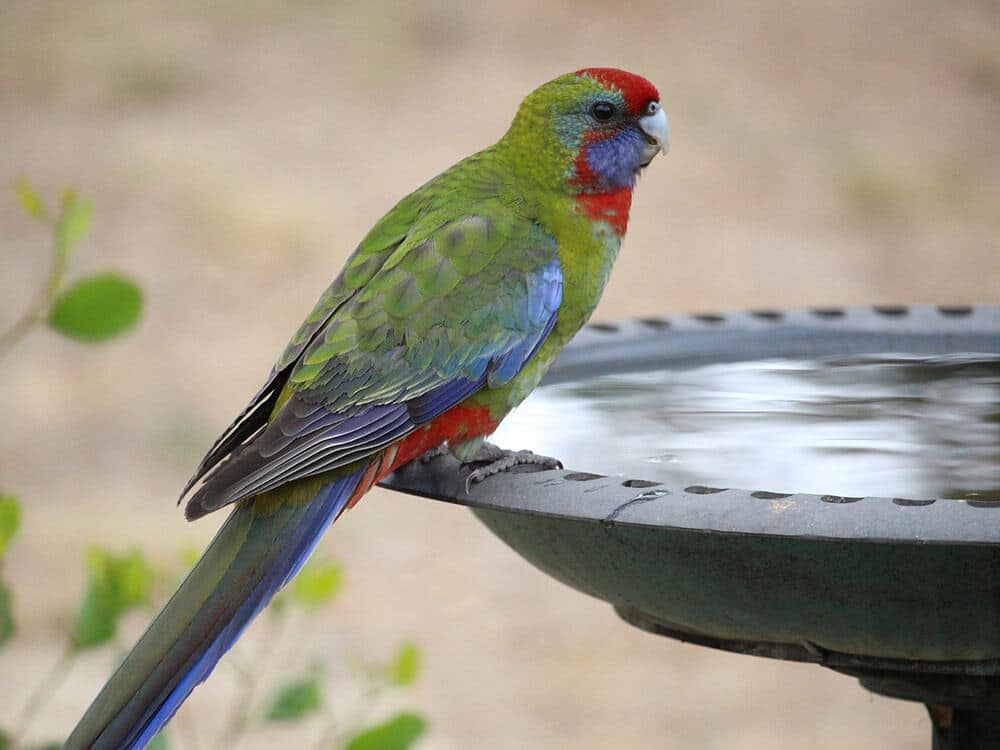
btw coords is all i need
(617, 159)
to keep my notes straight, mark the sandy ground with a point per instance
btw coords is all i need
(824, 153)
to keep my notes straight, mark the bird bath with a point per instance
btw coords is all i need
(867, 538)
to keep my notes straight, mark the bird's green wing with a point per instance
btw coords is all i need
(457, 304)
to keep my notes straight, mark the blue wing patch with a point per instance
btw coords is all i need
(542, 311)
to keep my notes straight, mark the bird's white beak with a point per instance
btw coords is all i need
(657, 131)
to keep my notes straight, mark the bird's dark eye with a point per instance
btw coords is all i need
(603, 111)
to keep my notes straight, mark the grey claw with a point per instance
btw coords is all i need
(508, 460)
(441, 450)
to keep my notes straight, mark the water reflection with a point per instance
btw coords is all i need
(892, 426)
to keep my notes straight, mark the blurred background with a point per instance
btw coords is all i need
(823, 153)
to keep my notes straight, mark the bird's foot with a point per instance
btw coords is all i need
(492, 459)
(441, 450)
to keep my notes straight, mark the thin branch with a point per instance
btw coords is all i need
(37, 311)
(44, 691)
(375, 689)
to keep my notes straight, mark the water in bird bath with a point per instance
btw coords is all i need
(891, 426)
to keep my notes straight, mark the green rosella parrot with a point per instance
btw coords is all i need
(445, 317)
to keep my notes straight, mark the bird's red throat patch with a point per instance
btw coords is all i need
(612, 208)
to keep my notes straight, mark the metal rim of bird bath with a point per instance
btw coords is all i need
(903, 594)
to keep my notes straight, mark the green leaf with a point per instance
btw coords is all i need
(47, 746)
(159, 742)
(7, 628)
(398, 733)
(5, 742)
(132, 578)
(97, 307)
(406, 665)
(10, 520)
(318, 583)
(74, 222)
(296, 699)
(97, 620)
(117, 583)
(31, 202)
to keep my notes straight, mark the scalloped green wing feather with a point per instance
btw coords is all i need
(440, 306)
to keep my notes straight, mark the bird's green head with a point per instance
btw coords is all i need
(591, 131)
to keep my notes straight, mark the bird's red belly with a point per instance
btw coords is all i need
(455, 425)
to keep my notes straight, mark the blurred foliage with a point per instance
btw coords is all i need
(116, 584)
(10, 521)
(406, 666)
(120, 583)
(398, 733)
(74, 219)
(297, 698)
(94, 308)
(318, 585)
(100, 307)
(300, 698)
(6, 614)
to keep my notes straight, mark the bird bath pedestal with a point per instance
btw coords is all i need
(902, 592)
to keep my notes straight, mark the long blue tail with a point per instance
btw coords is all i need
(258, 550)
